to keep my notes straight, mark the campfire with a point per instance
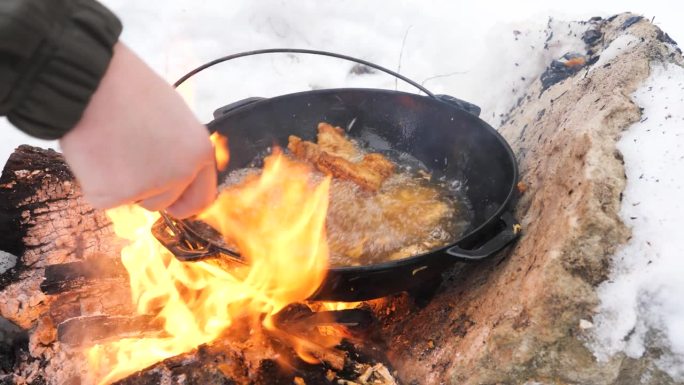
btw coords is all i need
(278, 219)
(126, 320)
(130, 318)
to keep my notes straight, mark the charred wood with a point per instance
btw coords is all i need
(110, 297)
(238, 363)
(76, 275)
(89, 330)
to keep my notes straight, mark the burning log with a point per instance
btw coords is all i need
(43, 221)
(55, 234)
(112, 298)
(50, 227)
(229, 363)
(44, 218)
(82, 331)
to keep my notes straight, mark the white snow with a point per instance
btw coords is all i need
(585, 324)
(643, 302)
(11, 138)
(7, 261)
(473, 58)
(465, 49)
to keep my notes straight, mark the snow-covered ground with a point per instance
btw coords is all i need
(481, 51)
(465, 49)
(643, 302)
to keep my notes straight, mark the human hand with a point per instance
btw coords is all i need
(139, 142)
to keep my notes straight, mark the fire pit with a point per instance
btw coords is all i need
(82, 298)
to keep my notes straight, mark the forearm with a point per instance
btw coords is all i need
(53, 54)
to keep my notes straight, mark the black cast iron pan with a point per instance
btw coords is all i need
(442, 132)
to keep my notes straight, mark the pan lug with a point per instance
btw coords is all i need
(234, 106)
(508, 232)
(460, 104)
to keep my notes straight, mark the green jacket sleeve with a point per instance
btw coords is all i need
(53, 54)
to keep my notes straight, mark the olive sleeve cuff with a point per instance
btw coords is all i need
(64, 72)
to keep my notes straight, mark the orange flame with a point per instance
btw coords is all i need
(277, 220)
(220, 150)
(335, 306)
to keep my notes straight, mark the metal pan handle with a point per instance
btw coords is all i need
(510, 231)
(305, 51)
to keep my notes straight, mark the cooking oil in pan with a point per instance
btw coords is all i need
(412, 213)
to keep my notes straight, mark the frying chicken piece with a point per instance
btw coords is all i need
(413, 208)
(407, 251)
(406, 217)
(334, 154)
(303, 150)
(333, 141)
(379, 164)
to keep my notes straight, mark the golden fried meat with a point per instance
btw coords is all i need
(333, 141)
(333, 156)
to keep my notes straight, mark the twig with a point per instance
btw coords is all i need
(401, 54)
(443, 76)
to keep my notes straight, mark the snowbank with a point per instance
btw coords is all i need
(642, 303)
